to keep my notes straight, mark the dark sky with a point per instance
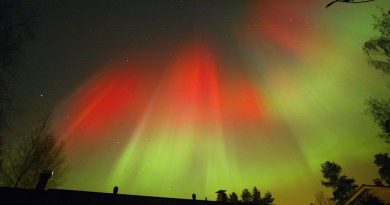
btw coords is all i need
(72, 39)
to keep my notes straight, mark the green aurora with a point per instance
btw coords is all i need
(263, 107)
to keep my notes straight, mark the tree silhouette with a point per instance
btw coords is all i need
(256, 195)
(379, 110)
(267, 199)
(246, 196)
(38, 150)
(343, 187)
(383, 162)
(233, 197)
(377, 51)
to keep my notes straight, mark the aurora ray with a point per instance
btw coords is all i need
(262, 107)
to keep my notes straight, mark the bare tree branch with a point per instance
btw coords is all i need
(348, 1)
(37, 150)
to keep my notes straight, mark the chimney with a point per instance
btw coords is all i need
(43, 179)
(115, 190)
(378, 182)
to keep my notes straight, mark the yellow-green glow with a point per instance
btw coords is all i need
(268, 115)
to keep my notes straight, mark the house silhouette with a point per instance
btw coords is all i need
(17, 196)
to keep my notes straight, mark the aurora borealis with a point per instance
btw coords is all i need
(181, 97)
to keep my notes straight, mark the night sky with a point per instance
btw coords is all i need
(170, 98)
